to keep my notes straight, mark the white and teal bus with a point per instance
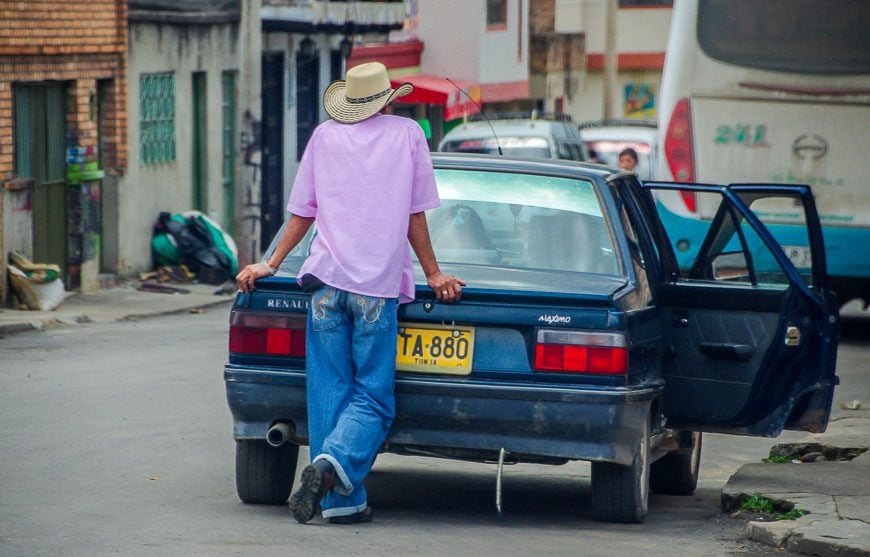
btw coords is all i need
(773, 91)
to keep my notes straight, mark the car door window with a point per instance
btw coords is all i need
(722, 249)
(785, 218)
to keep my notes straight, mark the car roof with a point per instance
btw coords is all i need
(620, 130)
(513, 128)
(619, 133)
(497, 163)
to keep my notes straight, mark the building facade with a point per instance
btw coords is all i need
(62, 130)
(641, 34)
(482, 42)
(188, 63)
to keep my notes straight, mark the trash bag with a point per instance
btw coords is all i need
(194, 240)
(36, 272)
(36, 285)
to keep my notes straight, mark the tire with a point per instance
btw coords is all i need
(264, 474)
(677, 472)
(621, 493)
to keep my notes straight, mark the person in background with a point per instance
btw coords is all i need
(365, 178)
(628, 159)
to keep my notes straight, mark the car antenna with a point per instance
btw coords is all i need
(477, 104)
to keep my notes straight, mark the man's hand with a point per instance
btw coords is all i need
(246, 277)
(447, 287)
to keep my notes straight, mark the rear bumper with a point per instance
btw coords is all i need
(601, 424)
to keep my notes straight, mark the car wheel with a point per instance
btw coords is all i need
(264, 474)
(677, 472)
(621, 493)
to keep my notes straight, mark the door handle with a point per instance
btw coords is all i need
(727, 351)
(792, 336)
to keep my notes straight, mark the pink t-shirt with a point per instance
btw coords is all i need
(361, 182)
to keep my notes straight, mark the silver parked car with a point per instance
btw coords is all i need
(518, 134)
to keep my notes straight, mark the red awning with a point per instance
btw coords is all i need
(431, 89)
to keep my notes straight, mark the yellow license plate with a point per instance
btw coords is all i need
(444, 350)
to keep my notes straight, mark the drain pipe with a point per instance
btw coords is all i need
(278, 434)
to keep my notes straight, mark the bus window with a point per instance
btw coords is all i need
(800, 36)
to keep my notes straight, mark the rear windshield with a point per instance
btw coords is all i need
(513, 231)
(519, 222)
(525, 147)
(796, 36)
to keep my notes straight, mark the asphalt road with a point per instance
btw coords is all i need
(115, 439)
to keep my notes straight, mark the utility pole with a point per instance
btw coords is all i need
(248, 191)
(610, 60)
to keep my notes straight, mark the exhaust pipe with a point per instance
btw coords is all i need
(278, 434)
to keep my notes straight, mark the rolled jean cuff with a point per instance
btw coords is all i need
(343, 486)
(344, 511)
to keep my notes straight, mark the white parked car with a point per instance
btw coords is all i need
(605, 139)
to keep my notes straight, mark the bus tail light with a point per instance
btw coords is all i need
(679, 149)
(581, 352)
(267, 335)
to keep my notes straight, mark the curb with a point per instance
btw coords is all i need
(824, 531)
(40, 325)
(175, 311)
(80, 318)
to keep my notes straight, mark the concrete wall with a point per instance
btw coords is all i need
(148, 189)
(451, 32)
(504, 54)
(637, 29)
(587, 102)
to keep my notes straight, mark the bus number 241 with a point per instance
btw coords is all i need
(742, 134)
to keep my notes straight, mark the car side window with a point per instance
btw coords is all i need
(576, 151)
(720, 247)
(639, 261)
(564, 151)
(785, 219)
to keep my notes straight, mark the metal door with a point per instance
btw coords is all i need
(39, 131)
(307, 98)
(200, 144)
(272, 200)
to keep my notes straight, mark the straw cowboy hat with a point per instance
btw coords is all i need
(363, 94)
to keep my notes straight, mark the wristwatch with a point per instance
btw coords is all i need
(272, 270)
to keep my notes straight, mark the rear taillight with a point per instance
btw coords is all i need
(581, 352)
(267, 335)
(679, 149)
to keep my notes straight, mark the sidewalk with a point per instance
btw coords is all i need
(114, 304)
(836, 492)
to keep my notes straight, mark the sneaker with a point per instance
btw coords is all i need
(317, 478)
(361, 517)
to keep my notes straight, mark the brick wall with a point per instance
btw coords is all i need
(79, 43)
(542, 16)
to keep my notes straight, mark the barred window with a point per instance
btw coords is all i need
(156, 118)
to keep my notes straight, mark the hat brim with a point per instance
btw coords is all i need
(336, 105)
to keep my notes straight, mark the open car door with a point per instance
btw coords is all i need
(751, 326)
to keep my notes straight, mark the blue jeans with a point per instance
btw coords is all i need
(351, 364)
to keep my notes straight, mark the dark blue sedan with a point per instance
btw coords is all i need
(578, 337)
